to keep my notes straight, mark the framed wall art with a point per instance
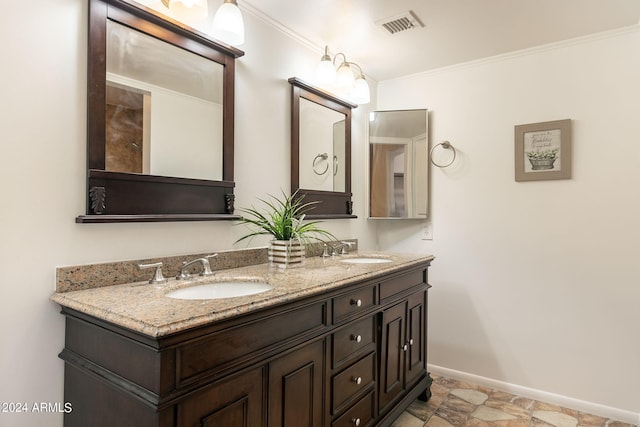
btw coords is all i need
(543, 151)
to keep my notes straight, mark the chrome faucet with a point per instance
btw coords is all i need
(206, 267)
(343, 245)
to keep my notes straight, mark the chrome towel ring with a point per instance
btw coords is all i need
(446, 145)
(321, 157)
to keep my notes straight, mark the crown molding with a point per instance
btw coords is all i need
(247, 6)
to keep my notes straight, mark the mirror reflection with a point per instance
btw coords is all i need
(322, 147)
(321, 150)
(164, 108)
(398, 164)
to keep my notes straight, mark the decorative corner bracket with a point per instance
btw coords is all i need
(229, 203)
(98, 197)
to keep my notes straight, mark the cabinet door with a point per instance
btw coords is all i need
(236, 401)
(392, 358)
(295, 387)
(416, 337)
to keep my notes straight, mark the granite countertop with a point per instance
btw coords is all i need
(144, 308)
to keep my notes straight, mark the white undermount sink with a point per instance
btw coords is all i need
(365, 260)
(219, 290)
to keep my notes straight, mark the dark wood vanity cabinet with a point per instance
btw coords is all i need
(353, 356)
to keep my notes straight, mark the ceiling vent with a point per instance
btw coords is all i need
(403, 22)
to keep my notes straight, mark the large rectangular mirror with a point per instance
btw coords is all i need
(321, 150)
(160, 120)
(398, 164)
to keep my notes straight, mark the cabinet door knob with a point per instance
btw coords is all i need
(411, 341)
(356, 302)
(405, 347)
(356, 421)
(356, 338)
(357, 380)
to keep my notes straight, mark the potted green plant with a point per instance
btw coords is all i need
(283, 219)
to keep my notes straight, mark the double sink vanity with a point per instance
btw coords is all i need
(338, 341)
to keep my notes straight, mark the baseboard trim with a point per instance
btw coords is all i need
(543, 396)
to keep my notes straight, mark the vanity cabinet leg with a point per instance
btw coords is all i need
(426, 394)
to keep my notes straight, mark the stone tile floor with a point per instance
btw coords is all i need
(459, 404)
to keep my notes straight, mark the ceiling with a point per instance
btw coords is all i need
(455, 31)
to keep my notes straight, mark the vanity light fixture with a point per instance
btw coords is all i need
(228, 25)
(188, 9)
(326, 71)
(340, 74)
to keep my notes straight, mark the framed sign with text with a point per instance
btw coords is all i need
(543, 151)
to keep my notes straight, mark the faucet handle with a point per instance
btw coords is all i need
(346, 245)
(206, 266)
(157, 276)
(325, 252)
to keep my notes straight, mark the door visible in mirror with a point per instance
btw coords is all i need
(398, 164)
(163, 108)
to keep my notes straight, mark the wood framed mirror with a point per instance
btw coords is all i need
(160, 118)
(321, 150)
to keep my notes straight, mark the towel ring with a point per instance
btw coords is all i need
(447, 145)
(323, 156)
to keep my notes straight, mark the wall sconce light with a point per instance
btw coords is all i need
(341, 75)
(228, 24)
(188, 9)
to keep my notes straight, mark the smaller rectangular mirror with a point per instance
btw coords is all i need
(398, 164)
(321, 150)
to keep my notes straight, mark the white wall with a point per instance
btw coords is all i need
(535, 284)
(571, 329)
(42, 175)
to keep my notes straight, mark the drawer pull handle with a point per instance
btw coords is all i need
(356, 338)
(356, 421)
(405, 347)
(357, 380)
(356, 302)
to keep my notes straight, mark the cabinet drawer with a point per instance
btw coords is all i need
(359, 414)
(242, 342)
(401, 283)
(352, 380)
(351, 339)
(354, 303)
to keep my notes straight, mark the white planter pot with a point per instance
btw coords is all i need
(286, 253)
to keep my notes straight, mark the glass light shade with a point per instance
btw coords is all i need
(325, 72)
(189, 9)
(344, 77)
(228, 25)
(361, 94)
